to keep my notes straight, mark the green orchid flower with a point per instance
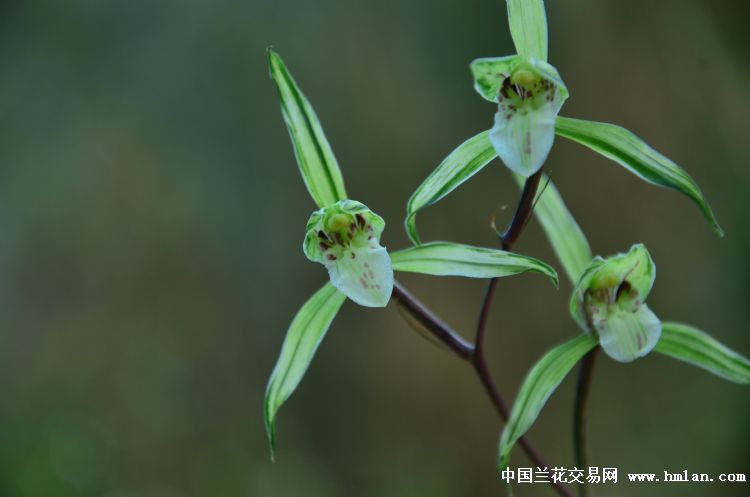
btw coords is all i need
(609, 303)
(344, 235)
(528, 91)
(345, 238)
(529, 94)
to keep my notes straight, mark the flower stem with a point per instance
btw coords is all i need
(431, 322)
(580, 415)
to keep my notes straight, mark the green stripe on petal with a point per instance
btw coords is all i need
(315, 158)
(528, 27)
(541, 381)
(625, 148)
(453, 259)
(302, 340)
(693, 346)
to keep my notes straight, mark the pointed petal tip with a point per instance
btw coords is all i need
(271, 434)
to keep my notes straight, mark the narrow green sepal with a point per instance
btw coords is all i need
(625, 148)
(460, 165)
(693, 346)
(319, 168)
(539, 384)
(528, 27)
(454, 259)
(300, 344)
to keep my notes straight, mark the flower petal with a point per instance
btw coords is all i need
(365, 275)
(626, 335)
(636, 268)
(490, 72)
(524, 138)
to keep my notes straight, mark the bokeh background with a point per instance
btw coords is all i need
(151, 220)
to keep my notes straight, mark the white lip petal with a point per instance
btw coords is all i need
(365, 275)
(626, 336)
(524, 138)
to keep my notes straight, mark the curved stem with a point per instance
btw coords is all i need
(432, 323)
(474, 353)
(483, 316)
(467, 351)
(523, 211)
(580, 415)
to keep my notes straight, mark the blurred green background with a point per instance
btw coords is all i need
(151, 221)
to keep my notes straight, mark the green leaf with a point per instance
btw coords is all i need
(564, 234)
(628, 150)
(453, 259)
(318, 166)
(539, 384)
(688, 344)
(463, 163)
(302, 339)
(528, 27)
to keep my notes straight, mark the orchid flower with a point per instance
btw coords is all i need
(344, 235)
(529, 91)
(609, 302)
